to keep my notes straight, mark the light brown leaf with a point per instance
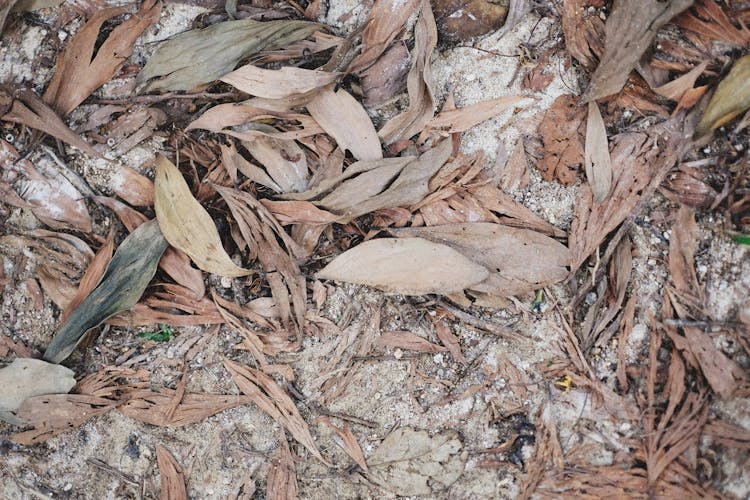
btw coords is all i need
(274, 401)
(410, 266)
(186, 225)
(92, 276)
(419, 83)
(344, 119)
(408, 341)
(134, 188)
(28, 377)
(298, 212)
(462, 119)
(348, 442)
(282, 477)
(449, 340)
(675, 89)
(598, 162)
(78, 72)
(519, 260)
(584, 32)
(629, 31)
(562, 131)
(172, 475)
(284, 161)
(278, 83)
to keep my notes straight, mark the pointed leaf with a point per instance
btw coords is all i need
(731, 98)
(186, 225)
(598, 162)
(278, 83)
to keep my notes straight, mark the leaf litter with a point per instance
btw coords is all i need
(296, 183)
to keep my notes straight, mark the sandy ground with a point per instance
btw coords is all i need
(497, 394)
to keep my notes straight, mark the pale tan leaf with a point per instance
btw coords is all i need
(223, 117)
(284, 161)
(186, 225)
(344, 119)
(630, 29)
(408, 341)
(410, 266)
(134, 188)
(234, 161)
(278, 83)
(598, 163)
(675, 89)
(172, 475)
(519, 260)
(158, 408)
(298, 212)
(461, 119)
(197, 57)
(274, 401)
(27, 377)
(83, 66)
(731, 98)
(282, 477)
(419, 83)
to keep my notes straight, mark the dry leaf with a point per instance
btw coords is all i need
(28, 109)
(186, 225)
(344, 119)
(462, 119)
(172, 475)
(386, 77)
(629, 31)
(123, 283)
(584, 32)
(282, 477)
(519, 260)
(460, 20)
(598, 162)
(222, 118)
(348, 442)
(27, 377)
(677, 88)
(562, 134)
(85, 65)
(449, 340)
(408, 341)
(411, 463)
(92, 276)
(278, 83)
(198, 57)
(284, 160)
(419, 83)
(273, 401)
(134, 188)
(409, 266)
(732, 97)
(515, 174)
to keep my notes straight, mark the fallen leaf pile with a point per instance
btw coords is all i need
(279, 177)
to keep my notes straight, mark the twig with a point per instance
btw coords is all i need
(165, 97)
(499, 330)
(100, 464)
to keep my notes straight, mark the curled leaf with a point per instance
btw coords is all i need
(186, 225)
(410, 266)
(123, 283)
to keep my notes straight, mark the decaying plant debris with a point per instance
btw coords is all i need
(276, 258)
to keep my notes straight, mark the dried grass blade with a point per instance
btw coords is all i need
(282, 477)
(172, 475)
(187, 226)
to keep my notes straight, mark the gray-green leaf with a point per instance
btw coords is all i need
(127, 276)
(198, 57)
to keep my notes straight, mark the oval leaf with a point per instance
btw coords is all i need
(186, 225)
(410, 266)
(598, 162)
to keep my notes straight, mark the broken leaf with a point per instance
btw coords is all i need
(172, 475)
(410, 266)
(123, 283)
(410, 462)
(198, 57)
(282, 477)
(519, 260)
(84, 65)
(731, 98)
(629, 31)
(562, 134)
(598, 162)
(186, 225)
(278, 83)
(27, 377)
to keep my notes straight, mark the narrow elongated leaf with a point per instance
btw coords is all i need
(186, 225)
(278, 83)
(461, 119)
(410, 266)
(284, 160)
(598, 162)
(123, 283)
(172, 475)
(731, 98)
(347, 122)
(201, 56)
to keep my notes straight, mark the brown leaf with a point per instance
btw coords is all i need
(134, 188)
(282, 477)
(515, 174)
(419, 83)
(408, 341)
(708, 19)
(675, 89)
(386, 77)
(562, 134)
(409, 266)
(298, 212)
(28, 109)
(344, 119)
(172, 475)
(449, 340)
(598, 162)
(273, 401)
(462, 119)
(629, 31)
(157, 408)
(460, 20)
(284, 160)
(176, 306)
(348, 442)
(687, 186)
(519, 260)
(280, 83)
(27, 377)
(584, 32)
(186, 225)
(78, 72)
